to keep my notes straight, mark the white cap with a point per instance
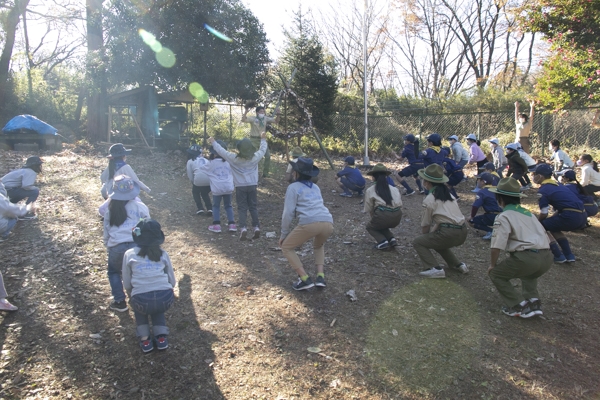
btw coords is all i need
(471, 136)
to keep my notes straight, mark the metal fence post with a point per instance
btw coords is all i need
(230, 124)
(478, 126)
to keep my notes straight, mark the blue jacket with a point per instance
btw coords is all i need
(487, 200)
(353, 175)
(430, 156)
(558, 196)
(409, 153)
(451, 166)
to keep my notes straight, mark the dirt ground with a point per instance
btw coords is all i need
(239, 331)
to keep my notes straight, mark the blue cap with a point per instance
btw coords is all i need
(543, 169)
(434, 138)
(490, 166)
(570, 175)
(349, 160)
(410, 138)
(486, 177)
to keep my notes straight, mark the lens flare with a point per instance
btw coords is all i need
(198, 92)
(217, 33)
(147, 37)
(165, 57)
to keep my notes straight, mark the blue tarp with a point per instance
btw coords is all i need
(28, 122)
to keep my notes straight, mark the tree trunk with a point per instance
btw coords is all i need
(96, 71)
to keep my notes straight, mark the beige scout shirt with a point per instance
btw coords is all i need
(523, 130)
(258, 126)
(441, 212)
(372, 200)
(516, 229)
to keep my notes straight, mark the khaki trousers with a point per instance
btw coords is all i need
(381, 222)
(441, 241)
(301, 234)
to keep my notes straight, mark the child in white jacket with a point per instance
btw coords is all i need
(200, 181)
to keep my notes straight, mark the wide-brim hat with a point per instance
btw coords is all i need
(35, 160)
(305, 166)
(148, 232)
(118, 150)
(433, 173)
(123, 188)
(471, 136)
(494, 140)
(245, 148)
(379, 169)
(508, 187)
(297, 152)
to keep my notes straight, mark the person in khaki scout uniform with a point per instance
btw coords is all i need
(519, 233)
(443, 225)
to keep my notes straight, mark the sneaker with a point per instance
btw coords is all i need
(393, 242)
(346, 194)
(536, 306)
(487, 236)
(215, 228)
(462, 267)
(256, 233)
(120, 306)
(244, 234)
(209, 212)
(232, 228)
(147, 345)
(422, 192)
(359, 194)
(199, 212)
(27, 216)
(433, 273)
(161, 342)
(6, 306)
(320, 282)
(560, 260)
(303, 285)
(570, 258)
(410, 193)
(518, 311)
(383, 245)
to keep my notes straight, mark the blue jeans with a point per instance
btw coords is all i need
(115, 269)
(17, 194)
(246, 198)
(217, 207)
(151, 305)
(9, 225)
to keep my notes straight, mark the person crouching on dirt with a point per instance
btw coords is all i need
(569, 179)
(303, 198)
(487, 200)
(9, 213)
(409, 153)
(382, 202)
(19, 185)
(244, 168)
(117, 165)
(200, 181)
(517, 168)
(149, 280)
(443, 225)
(455, 175)
(122, 216)
(349, 179)
(522, 236)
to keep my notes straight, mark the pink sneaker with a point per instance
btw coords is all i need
(215, 228)
(6, 306)
(232, 228)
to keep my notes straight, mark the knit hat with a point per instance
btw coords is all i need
(297, 152)
(245, 148)
(508, 187)
(349, 160)
(148, 233)
(433, 173)
(494, 140)
(221, 143)
(118, 150)
(304, 166)
(410, 138)
(194, 150)
(543, 169)
(31, 161)
(471, 136)
(486, 177)
(123, 188)
(570, 175)
(453, 137)
(378, 169)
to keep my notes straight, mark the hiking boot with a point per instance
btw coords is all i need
(383, 245)
(161, 342)
(433, 273)
(518, 311)
(536, 306)
(462, 267)
(303, 285)
(120, 306)
(320, 282)
(570, 258)
(6, 306)
(27, 217)
(487, 236)
(232, 228)
(215, 228)
(147, 345)
(560, 260)
(256, 233)
(393, 242)
(244, 234)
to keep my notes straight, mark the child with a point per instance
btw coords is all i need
(303, 198)
(244, 167)
(523, 124)
(149, 280)
(590, 177)
(459, 153)
(434, 153)
(382, 202)
(475, 152)
(258, 126)
(500, 160)
(517, 232)
(442, 225)
(117, 165)
(221, 186)
(455, 175)
(122, 216)
(350, 179)
(516, 166)
(9, 213)
(570, 214)
(531, 164)
(559, 158)
(487, 200)
(5, 305)
(19, 185)
(199, 179)
(409, 153)
(294, 154)
(490, 168)
(570, 181)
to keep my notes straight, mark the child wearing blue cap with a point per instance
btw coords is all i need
(490, 168)
(349, 179)
(409, 153)
(569, 179)
(434, 153)
(455, 175)
(570, 213)
(487, 200)
(200, 181)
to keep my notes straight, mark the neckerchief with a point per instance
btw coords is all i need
(549, 181)
(437, 149)
(517, 208)
(119, 164)
(261, 121)
(307, 183)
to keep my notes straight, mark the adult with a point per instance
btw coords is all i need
(258, 126)
(523, 124)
